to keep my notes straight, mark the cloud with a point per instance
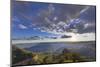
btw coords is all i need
(15, 19)
(85, 9)
(87, 25)
(21, 26)
(56, 18)
(61, 22)
(89, 15)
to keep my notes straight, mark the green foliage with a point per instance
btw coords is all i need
(66, 56)
(19, 55)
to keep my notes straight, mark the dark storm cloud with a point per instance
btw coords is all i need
(55, 17)
(89, 15)
(65, 11)
(86, 27)
(89, 18)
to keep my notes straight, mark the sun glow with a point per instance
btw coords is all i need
(74, 37)
(81, 37)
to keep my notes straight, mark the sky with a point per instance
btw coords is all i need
(52, 19)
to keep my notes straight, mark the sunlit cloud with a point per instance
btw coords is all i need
(71, 20)
(21, 26)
